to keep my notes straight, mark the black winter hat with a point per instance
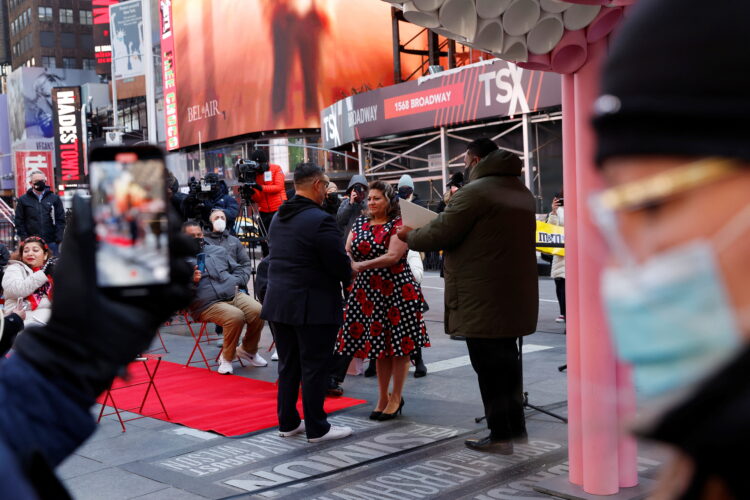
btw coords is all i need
(677, 82)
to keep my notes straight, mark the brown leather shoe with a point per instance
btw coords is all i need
(504, 447)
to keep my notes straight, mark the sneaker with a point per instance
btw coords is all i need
(254, 359)
(560, 319)
(275, 355)
(225, 367)
(299, 430)
(335, 432)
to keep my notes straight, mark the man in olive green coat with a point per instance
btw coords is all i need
(491, 287)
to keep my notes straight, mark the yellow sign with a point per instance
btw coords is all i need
(550, 233)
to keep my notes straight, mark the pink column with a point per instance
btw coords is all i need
(575, 431)
(599, 401)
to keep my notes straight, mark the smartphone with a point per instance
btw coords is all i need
(201, 262)
(129, 206)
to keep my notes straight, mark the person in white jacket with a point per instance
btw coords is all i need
(27, 281)
(557, 217)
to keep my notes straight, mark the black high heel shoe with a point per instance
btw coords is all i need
(375, 415)
(390, 416)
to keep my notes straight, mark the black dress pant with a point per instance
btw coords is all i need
(304, 355)
(338, 368)
(498, 369)
(560, 291)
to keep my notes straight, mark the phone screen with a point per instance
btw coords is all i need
(129, 204)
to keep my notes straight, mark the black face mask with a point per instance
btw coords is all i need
(199, 244)
(405, 192)
(39, 185)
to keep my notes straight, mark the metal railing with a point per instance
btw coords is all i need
(7, 226)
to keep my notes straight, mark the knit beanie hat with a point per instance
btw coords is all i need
(677, 82)
(406, 181)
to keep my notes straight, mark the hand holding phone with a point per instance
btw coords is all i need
(201, 258)
(129, 206)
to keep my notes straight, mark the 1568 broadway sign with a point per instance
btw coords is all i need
(66, 104)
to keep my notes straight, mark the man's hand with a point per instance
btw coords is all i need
(403, 232)
(196, 275)
(356, 196)
(91, 335)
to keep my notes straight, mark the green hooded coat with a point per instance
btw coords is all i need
(487, 232)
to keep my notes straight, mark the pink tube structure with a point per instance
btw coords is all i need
(599, 401)
(536, 62)
(571, 53)
(603, 24)
(572, 308)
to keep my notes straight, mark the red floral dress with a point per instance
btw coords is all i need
(383, 314)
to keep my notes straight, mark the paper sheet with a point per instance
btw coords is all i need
(415, 216)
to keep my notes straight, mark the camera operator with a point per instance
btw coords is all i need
(269, 192)
(353, 204)
(206, 196)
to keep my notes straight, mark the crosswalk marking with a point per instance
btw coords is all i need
(449, 364)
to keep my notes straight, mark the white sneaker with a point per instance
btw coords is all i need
(254, 359)
(335, 432)
(275, 355)
(225, 367)
(299, 430)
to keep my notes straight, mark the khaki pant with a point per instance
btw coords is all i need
(232, 316)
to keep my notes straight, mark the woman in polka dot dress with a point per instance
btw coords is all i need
(383, 314)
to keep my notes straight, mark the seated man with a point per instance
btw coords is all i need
(218, 300)
(222, 237)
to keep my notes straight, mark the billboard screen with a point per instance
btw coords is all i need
(102, 46)
(483, 90)
(126, 28)
(271, 64)
(69, 140)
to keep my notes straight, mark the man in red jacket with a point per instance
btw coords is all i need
(269, 194)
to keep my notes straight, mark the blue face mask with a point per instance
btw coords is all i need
(671, 318)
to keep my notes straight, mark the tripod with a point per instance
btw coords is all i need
(252, 235)
(526, 403)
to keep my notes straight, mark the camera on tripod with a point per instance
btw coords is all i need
(246, 172)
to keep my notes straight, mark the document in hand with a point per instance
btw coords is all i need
(415, 216)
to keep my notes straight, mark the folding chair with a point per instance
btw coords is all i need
(161, 340)
(149, 383)
(203, 336)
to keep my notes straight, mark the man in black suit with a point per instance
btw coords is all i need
(303, 300)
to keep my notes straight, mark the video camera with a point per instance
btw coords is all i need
(201, 189)
(246, 172)
(201, 193)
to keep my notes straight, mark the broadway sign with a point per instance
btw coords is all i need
(488, 89)
(69, 151)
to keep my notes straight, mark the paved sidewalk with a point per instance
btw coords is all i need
(420, 455)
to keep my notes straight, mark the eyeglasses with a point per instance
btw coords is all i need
(652, 190)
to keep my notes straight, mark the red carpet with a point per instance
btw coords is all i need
(195, 397)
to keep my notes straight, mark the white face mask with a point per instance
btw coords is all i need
(219, 225)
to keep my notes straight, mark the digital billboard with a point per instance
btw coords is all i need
(69, 140)
(261, 65)
(102, 44)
